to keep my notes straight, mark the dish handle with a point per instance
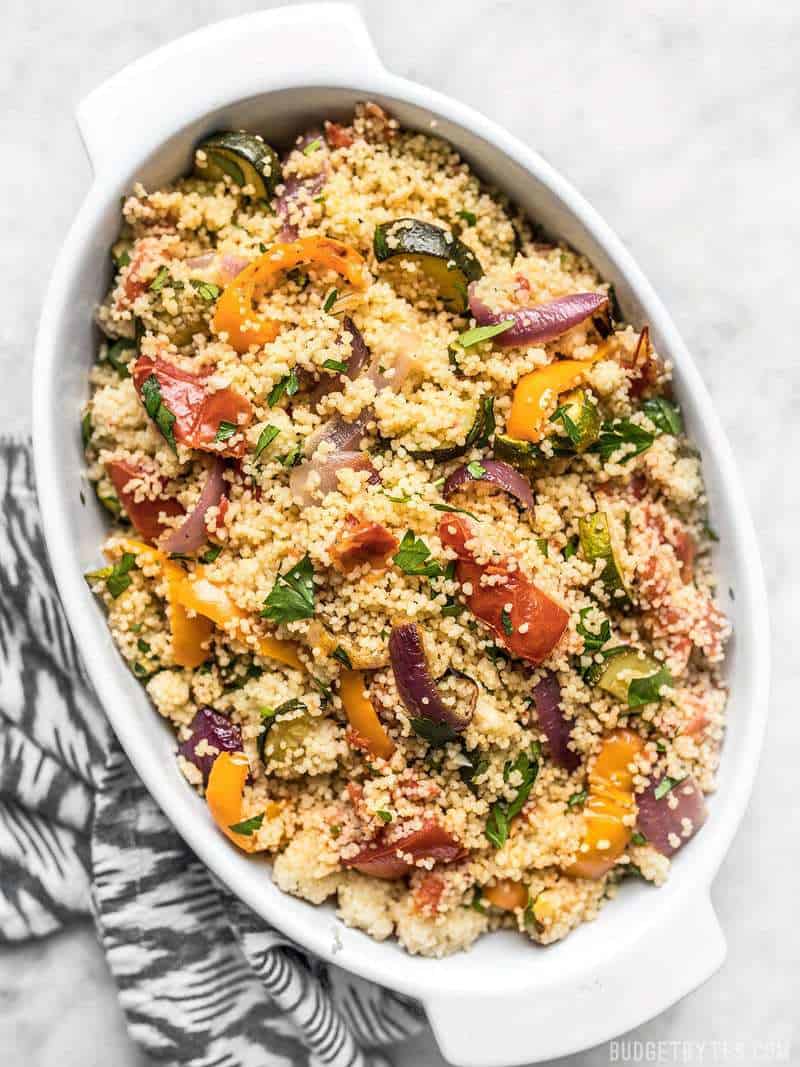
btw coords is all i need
(149, 100)
(577, 1012)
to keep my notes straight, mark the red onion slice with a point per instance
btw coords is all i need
(299, 189)
(307, 490)
(359, 357)
(547, 700)
(382, 860)
(218, 731)
(340, 435)
(659, 821)
(539, 322)
(220, 268)
(490, 472)
(415, 683)
(192, 534)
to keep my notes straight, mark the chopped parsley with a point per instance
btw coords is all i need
(638, 839)
(336, 365)
(265, 438)
(477, 766)
(211, 554)
(577, 800)
(476, 470)
(287, 386)
(664, 415)
(206, 290)
(116, 577)
(643, 691)
(413, 557)
(330, 299)
(483, 333)
(468, 216)
(158, 410)
(544, 546)
(570, 548)
(666, 785)
(143, 646)
(383, 815)
(225, 431)
(451, 508)
(160, 280)
(292, 596)
(312, 146)
(114, 355)
(561, 415)
(593, 641)
(249, 826)
(710, 532)
(292, 457)
(503, 811)
(619, 433)
(342, 656)
(505, 619)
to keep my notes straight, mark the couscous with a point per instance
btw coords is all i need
(409, 544)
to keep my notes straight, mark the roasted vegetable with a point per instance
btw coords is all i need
(539, 323)
(224, 798)
(579, 420)
(362, 716)
(244, 157)
(479, 433)
(536, 396)
(446, 260)
(609, 807)
(597, 542)
(630, 676)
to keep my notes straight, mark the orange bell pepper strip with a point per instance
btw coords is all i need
(224, 797)
(362, 715)
(611, 799)
(190, 633)
(507, 895)
(235, 314)
(536, 396)
(197, 593)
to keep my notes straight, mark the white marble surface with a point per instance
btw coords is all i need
(679, 121)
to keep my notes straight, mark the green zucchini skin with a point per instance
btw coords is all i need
(584, 420)
(615, 674)
(446, 260)
(594, 533)
(245, 158)
(479, 434)
(522, 454)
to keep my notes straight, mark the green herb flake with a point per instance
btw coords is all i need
(143, 646)
(643, 691)
(638, 839)
(158, 410)
(287, 386)
(665, 786)
(593, 640)
(383, 815)
(292, 596)
(664, 415)
(502, 811)
(211, 554)
(483, 333)
(710, 532)
(477, 901)
(292, 457)
(544, 546)
(206, 290)
(570, 548)
(413, 557)
(335, 365)
(225, 431)
(116, 577)
(438, 506)
(160, 280)
(342, 656)
(622, 433)
(265, 438)
(249, 826)
(468, 216)
(330, 299)
(476, 470)
(312, 146)
(505, 619)
(114, 356)
(577, 800)
(435, 733)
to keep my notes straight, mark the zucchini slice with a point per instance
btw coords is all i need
(623, 666)
(597, 542)
(245, 158)
(522, 454)
(447, 261)
(580, 419)
(479, 433)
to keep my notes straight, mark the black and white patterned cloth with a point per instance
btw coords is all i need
(203, 981)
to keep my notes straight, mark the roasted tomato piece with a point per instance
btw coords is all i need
(524, 618)
(338, 136)
(388, 859)
(362, 541)
(199, 413)
(144, 514)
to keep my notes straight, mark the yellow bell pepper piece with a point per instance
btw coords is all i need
(611, 799)
(235, 314)
(507, 895)
(224, 797)
(536, 396)
(362, 715)
(190, 633)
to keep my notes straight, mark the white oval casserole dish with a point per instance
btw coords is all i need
(506, 1001)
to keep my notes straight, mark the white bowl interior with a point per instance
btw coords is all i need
(512, 961)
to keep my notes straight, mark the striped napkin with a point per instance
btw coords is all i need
(203, 982)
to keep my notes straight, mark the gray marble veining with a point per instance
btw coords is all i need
(679, 121)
